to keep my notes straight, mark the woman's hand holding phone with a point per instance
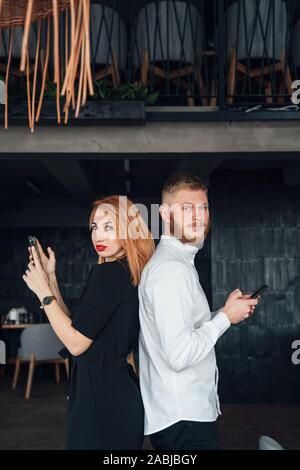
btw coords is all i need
(36, 278)
(48, 262)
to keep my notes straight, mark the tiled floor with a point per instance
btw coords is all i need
(39, 423)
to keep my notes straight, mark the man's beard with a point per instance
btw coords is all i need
(182, 236)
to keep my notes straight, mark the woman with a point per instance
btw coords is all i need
(105, 405)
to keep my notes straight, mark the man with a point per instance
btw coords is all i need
(178, 372)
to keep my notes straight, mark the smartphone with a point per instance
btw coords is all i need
(259, 291)
(33, 242)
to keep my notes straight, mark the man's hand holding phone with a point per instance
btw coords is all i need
(239, 306)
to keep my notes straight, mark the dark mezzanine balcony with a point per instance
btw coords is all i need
(183, 59)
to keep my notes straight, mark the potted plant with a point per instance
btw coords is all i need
(127, 101)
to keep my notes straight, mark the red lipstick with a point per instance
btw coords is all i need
(101, 247)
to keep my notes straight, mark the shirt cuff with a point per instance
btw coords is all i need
(221, 322)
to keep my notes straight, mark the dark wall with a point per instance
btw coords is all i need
(256, 240)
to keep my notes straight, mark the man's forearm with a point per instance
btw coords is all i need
(56, 292)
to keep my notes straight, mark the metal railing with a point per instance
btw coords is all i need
(218, 55)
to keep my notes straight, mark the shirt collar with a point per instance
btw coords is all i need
(188, 250)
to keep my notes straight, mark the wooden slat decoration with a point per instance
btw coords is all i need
(24, 13)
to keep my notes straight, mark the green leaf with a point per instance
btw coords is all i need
(152, 98)
(126, 91)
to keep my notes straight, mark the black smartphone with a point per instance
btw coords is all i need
(259, 291)
(33, 242)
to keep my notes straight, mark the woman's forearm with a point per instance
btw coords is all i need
(56, 292)
(74, 341)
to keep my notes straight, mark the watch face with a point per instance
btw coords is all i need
(47, 300)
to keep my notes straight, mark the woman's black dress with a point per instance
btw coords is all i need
(105, 406)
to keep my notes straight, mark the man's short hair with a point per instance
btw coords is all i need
(182, 180)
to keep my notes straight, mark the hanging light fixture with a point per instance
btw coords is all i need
(22, 13)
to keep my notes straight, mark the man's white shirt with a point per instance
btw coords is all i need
(177, 362)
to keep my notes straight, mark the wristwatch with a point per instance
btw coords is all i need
(47, 301)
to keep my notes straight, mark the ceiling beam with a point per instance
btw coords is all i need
(72, 177)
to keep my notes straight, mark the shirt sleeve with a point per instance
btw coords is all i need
(171, 295)
(101, 297)
(220, 319)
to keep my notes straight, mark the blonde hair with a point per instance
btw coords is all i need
(137, 250)
(182, 180)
